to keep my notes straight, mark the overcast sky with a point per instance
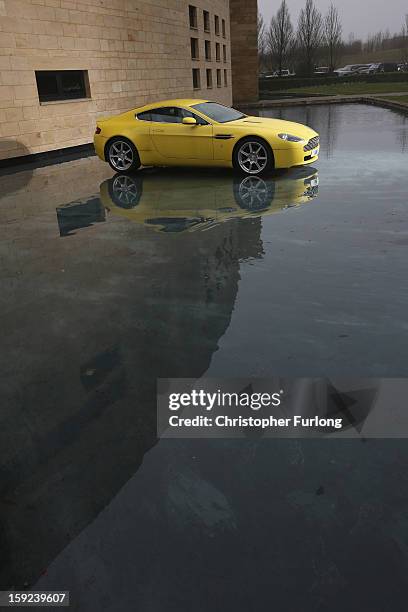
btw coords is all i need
(358, 16)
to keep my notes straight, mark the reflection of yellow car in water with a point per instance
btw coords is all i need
(176, 201)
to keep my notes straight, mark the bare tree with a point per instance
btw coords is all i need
(332, 35)
(404, 35)
(309, 35)
(375, 42)
(280, 36)
(261, 39)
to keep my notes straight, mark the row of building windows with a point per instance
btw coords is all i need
(71, 84)
(195, 50)
(193, 16)
(209, 77)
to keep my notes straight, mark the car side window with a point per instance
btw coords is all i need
(146, 116)
(169, 114)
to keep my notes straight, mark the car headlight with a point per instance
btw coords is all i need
(290, 138)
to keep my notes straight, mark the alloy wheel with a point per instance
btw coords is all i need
(253, 193)
(252, 157)
(121, 155)
(125, 190)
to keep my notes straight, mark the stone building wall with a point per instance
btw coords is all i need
(134, 52)
(244, 49)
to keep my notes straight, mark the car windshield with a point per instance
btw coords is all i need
(218, 112)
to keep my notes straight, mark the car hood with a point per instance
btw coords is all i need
(276, 125)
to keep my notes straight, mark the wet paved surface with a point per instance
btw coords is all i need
(108, 283)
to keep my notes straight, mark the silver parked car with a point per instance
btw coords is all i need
(369, 69)
(349, 70)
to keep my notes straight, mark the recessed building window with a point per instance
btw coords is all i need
(196, 78)
(223, 27)
(217, 25)
(225, 79)
(217, 52)
(192, 13)
(209, 78)
(206, 19)
(56, 85)
(195, 53)
(224, 52)
(218, 77)
(207, 46)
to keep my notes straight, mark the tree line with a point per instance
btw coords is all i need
(316, 38)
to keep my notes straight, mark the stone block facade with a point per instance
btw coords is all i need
(244, 49)
(131, 51)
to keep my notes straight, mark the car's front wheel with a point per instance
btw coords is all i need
(122, 155)
(253, 156)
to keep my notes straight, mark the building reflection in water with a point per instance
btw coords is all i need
(77, 215)
(402, 133)
(111, 309)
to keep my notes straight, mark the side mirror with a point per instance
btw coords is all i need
(189, 121)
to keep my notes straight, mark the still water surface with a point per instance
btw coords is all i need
(108, 283)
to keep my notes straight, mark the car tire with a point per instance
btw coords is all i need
(126, 190)
(122, 155)
(253, 156)
(253, 193)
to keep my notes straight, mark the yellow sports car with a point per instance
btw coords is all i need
(202, 133)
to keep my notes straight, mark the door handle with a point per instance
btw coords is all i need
(157, 131)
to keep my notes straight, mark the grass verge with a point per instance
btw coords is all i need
(345, 89)
(401, 99)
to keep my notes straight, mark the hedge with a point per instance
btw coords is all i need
(276, 84)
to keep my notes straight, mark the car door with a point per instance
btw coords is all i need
(174, 140)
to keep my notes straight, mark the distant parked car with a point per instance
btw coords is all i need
(349, 70)
(388, 67)
(283, 73)
(369, 69)
(286, 73)
(322, 70)
(402, 67)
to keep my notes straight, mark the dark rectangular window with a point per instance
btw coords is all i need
(217, 25)
(223, 27)
(62, 84)
(218, 77)
(206, 19)
(209, 78)
(225, 79)
(207, 45)
(192, 13)
(195, 53)
(217, 52)
(196, 78)
(224, 52)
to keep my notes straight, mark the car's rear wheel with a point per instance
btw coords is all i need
(126, 190)
(122, 155)
(253, 156)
